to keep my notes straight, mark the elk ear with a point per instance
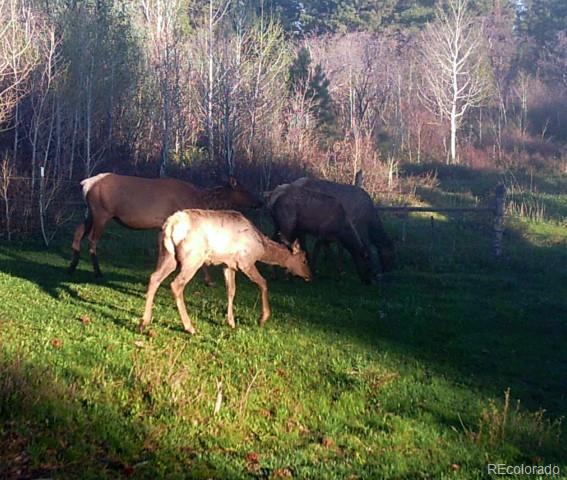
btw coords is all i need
(232, 182)
(295, 247)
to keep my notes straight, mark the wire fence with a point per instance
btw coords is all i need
(436, 232)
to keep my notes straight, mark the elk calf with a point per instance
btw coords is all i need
(192, 238)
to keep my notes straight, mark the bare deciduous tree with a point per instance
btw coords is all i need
(6, 172)
(17, 53)
(454, 79)
(162, 20)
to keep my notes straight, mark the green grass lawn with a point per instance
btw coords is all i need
(454, 362)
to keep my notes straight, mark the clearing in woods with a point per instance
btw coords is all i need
(442, 369)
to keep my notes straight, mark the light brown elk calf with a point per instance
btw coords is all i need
(192, 238)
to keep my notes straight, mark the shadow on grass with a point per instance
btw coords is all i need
(52, 429)
(491, 324)
(53, 279)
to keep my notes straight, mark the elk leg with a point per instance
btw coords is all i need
(207, 279)
(230, 280)
(315, 254)
(166, 265)
(253, 274)
(340, 258)
(80, 232)
(94, 235)
(383, 244)
(188, 271)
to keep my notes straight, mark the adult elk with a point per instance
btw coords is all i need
(361, 213)
(297, 211)
(145, 203)
(192, 238)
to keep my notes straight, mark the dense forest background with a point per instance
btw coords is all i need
(271, 89)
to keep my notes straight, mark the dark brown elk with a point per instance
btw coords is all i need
(192, 238)
(361, 212)
(145, 203)
(298, 211)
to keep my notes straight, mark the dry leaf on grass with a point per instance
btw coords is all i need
(252, 462)
(281, 473)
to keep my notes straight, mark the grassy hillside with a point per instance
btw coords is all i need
(454, 362)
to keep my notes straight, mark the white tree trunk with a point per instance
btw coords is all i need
(210, 86)
(454, 135)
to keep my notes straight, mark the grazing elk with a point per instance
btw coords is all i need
(145, 203)
(192, 238)
(297, 211)
(361, 212)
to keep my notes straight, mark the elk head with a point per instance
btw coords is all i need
(297, 262)
(240, 197)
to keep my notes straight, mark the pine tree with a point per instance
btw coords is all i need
(314, 83)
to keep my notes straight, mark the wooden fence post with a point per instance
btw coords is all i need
(499, 210)
(42, 204)
(359, 179)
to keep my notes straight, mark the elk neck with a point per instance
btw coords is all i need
(274, 253)
(216, 198)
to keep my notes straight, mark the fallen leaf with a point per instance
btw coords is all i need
(152, 334)
(128, 471)
(85, 320)
(56, 343)
(328, 442)
(455, 466)
(252, 457)
(282, 473)
(139, 343)
(252, 462)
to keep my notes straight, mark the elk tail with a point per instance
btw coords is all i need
(88, 183)
(175, 230)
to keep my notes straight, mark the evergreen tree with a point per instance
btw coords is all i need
(314, 83)
(540, 25)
